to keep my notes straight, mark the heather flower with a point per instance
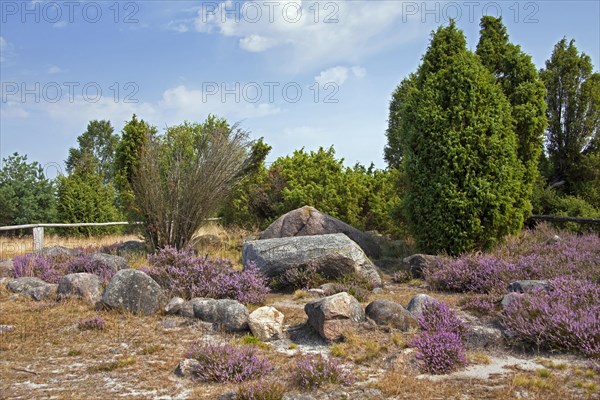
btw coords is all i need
(315, 370)
(184, 274)
(227, 363)
(87, 264)
(93, 323)
(49, 269)
(439, 352)
(565, 317)
(438, 317)
(481, 304)
(440, 347)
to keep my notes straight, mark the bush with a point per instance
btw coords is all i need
(52, 268)
(439, 352)
(183, 274)
(48, 269)
(454, 130)
(440, 347)
(362, 197)
(565, 317)
(573, 255)
(227, 363)
(92, 323)
(261, 390)
(438, 317)
(304, 277)
(184, 176)
(355, 285)
(315, 370)
(480, 304)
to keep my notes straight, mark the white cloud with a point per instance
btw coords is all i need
(6, 49)
(256, 43)
(178, 26)
(339, 75)
(54, 69)
(176, 104)
(305, 38)
(359, 72)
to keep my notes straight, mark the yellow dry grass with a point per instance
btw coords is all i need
(15, 246)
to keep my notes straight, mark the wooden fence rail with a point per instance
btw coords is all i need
(38, 229)
(556, 218)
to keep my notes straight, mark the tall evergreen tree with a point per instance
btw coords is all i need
(517, 76)
(84, 197)
(459, 151)
(127, 159)
(573, 97)
(100, 141)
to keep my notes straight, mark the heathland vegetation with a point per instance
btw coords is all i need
(477, 142)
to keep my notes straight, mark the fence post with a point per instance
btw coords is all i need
(38, 239)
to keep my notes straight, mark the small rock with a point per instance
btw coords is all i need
(134, 291)
(185, 368)
(82, 285)
(131, 247)
(415, 305)
(109, 261)
(230, 315)
(509, 298)
(416, 263)
(6, 328)
(54, 251)
(526, 285)
(174, 306)
(317, 292)
(553, 240)
(266, 323)
(6, 269)
(187, 309)
(484, 337)
(386, 312)
(331, 315)
(377, 290)
(35, 288)
(290, 396)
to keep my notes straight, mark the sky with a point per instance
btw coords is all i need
(298, 73)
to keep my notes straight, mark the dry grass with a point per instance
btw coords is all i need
(15, 246)
(134, 356)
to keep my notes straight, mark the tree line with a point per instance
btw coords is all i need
(476, 143)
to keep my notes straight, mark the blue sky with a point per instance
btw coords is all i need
(298, 73)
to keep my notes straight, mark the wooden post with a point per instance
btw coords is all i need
(38, 239)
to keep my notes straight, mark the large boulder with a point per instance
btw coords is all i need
(332, 315)
(134, 291)
(106, 261)
(386, 312)
(35, 288)
(266, 323)
(82, 285)
(308, 221)
(416, 263)
(131, 247)
(332, 255)
(231, 315)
